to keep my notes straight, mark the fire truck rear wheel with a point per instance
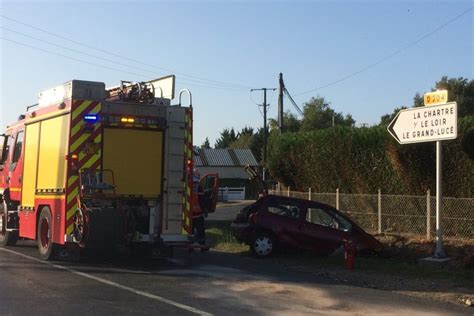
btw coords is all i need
(6, 238)
(46, 247)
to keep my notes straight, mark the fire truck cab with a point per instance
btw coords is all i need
(90, 167)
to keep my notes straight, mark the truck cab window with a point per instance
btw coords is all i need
(18, 146)
(3, 149)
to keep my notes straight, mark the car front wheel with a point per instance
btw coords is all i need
(263, 245)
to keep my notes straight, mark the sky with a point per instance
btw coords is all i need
(222, 49)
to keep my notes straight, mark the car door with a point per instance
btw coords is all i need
(15, 167)
(208, 192)
(4, 146)
(281, 215)
(324, 231)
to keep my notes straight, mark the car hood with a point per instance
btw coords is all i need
(364, 240)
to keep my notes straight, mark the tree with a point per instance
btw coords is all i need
(243, 138)
(227, 137)
(206, 144)
(256, 144)
(417, 101)
(319, 115)
(247, 130)
(290, 122)
(460, 90)
(467, 143)
(387, 118)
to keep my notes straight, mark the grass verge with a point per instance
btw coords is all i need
(219, 237)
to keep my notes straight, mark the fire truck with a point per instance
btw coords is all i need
(92, 167)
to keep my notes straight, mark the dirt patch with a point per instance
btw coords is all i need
(411, 249)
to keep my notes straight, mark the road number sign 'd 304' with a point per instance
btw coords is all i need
(436, 97)
(425, 124)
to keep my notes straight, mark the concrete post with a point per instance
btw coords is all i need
(288, 193)
(337, 199)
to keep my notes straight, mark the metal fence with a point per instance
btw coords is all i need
(400, 214)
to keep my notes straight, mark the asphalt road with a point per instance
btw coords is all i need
(188, 284)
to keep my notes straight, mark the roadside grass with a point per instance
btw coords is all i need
(220, 238)
(386, 266)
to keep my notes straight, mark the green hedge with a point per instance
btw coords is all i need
(362, 160)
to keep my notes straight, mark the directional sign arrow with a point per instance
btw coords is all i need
(391, 125)
(425, 124)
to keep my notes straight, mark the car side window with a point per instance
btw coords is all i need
(322, 217)
(18, 146)
(284, 208)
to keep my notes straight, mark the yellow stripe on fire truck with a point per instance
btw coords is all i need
(73, 181)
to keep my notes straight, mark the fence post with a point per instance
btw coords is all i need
(310, 214)
(288, 194)
(337, 199)
(428, 215)
(379, 208)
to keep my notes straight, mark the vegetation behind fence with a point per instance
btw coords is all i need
(358, 160)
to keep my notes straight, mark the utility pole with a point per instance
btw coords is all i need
(281, 89)
(265, 130)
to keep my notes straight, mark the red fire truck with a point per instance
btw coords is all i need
(94, 167)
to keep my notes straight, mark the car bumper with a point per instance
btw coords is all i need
(243, 232)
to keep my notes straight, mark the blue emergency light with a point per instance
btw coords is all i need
(91, 118)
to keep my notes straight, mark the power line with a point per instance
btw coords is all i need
(72, 58)
(106, 59)
(398, 51)
(257, 104)
(74, 50)
(293, 102)
(105, 67)
(204, 80)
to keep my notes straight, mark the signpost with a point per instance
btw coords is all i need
(436, 121)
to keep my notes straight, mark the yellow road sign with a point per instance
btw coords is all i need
(436, 97)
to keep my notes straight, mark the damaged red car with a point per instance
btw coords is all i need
(275, 222)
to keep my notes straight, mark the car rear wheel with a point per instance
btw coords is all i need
(263, 245)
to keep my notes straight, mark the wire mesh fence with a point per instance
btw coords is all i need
(400, 214)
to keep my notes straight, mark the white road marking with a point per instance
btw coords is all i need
(114, 284)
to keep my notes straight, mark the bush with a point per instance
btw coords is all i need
(361, 160)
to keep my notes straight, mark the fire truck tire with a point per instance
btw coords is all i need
(46, 247)
(6, 238)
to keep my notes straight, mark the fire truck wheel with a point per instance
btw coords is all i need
(45, 241)
(6, 238)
